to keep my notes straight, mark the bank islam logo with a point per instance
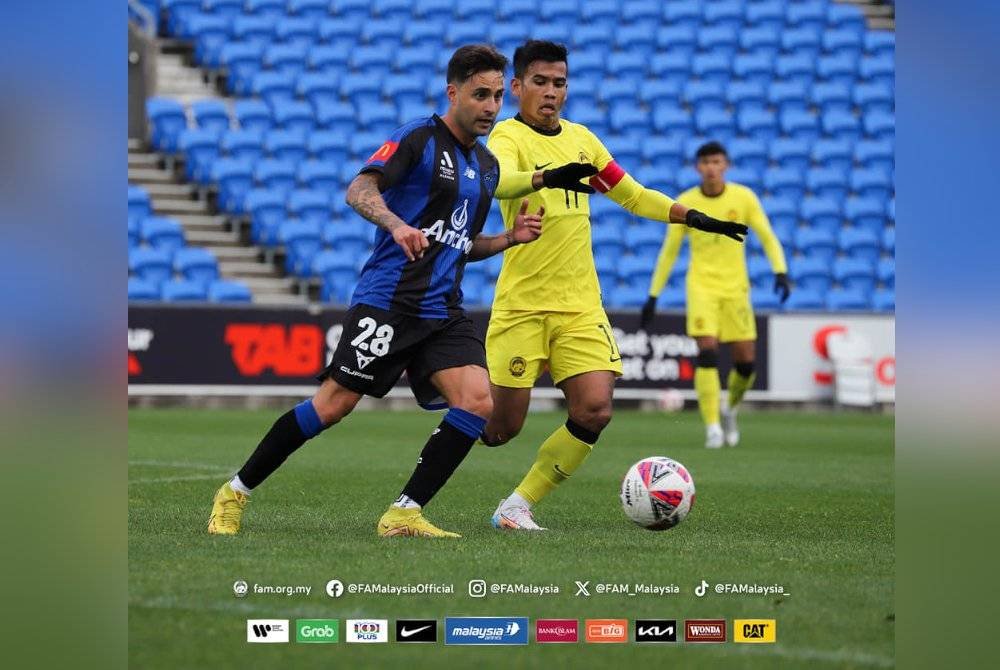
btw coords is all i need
(486, 630)
(557, 630)
(705, 630)
(755, 630)
(317, 630)
(366, 630)
(607, 630)
(416, 630)
(655, 630)
(267, 630)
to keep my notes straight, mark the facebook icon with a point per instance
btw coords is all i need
(486, 630)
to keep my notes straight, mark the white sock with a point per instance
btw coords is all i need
(237, 485)
(405, 502)
(713, 428)
(516, 500)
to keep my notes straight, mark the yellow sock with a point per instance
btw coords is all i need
(558, 457)
(738, 385)
(708, 388)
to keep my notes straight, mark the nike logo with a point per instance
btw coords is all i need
(539, 167)
(612, 359)
(408, 633)
(559, 470)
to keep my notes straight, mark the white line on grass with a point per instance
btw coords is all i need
(158, 480)
(177, 464)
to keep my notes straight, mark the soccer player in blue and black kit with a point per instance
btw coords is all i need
(428, 189)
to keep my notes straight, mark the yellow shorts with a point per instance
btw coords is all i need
(521, 345)
(728, 318)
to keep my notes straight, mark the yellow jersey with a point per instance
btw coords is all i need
(718, 263)
(556, 272)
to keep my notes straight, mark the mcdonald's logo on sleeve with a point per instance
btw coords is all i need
(384, 152)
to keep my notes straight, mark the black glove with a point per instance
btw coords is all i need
(782, 286)
(701, 221)
(568, 177)
(648, 312)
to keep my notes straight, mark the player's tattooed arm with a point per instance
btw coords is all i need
(526, 228)
(364, 196)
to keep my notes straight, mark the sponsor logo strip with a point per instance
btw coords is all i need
(267, 630)
(486, 630)
(416, 630)
(606, 630)
(366, 630)
(755, 630)
(705, 630)
(655, 630)
(557, 630)
(317, 630)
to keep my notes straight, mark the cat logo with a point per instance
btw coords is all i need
(517, 366)
(755, 630)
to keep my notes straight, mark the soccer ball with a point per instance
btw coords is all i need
(657, 493)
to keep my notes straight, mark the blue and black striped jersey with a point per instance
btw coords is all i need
(437, 185)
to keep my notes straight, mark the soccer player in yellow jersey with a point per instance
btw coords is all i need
(547, 314)
(718, 290)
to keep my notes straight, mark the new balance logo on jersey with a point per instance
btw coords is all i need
(455, 236)
(363, 360)
(447, 167)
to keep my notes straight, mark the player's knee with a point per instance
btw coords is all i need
(744, 368)
(332, 407)
(478, 403)
(501, 430)
(707, 358)
(595, 417)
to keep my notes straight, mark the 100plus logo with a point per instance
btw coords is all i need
(366, 630)
(486, 630)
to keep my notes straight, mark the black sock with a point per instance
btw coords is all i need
(288, 433)
(447, 447)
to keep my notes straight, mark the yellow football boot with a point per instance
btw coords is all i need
(408, 523)
(227, 510)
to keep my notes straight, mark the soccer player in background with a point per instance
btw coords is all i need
(547, 313)
(718, 290)
(428, 189)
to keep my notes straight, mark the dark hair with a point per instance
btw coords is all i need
(711, 149)
(533, 50)
(472, 59)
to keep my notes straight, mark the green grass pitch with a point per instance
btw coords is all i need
(805, 502)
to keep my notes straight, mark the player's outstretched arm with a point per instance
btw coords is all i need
(527, 228)
(364, 196)
(515, 184)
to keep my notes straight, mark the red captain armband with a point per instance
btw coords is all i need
(608, 178)
(384, 152)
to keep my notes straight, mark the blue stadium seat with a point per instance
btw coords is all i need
(403, 89)
(746, 176)
(309, 205)
(382, 31)
(635, 272)
(788, 95)
(370, 60)
(266, 208)
(313, 9)
(151, 265)
(871, 183)
(644, 240)
(653, 93)
(816, 243)
(875, 97)
(355, 9)
(889, 240)
(210, 115)
(842, 42)
(845, 17)
(252, 114)
(615, 90)
(834, 154)
(273, 86)
(315, 87)
(588, 64)
(635, 37)
(848, 300)
(800, 68)
(756, 67)
(760, 124)
(841, 125)
(886, 270)
(860, 243)
(759, 271)
(472, 9)
(162, 233)
(663, 153)
(328, 60)
(296, 30)
(842, 69)
(319, 175)
(229, 291)
(880, 43)
(133, 233)
(672, 298)
(678, 273)
(790, 153)
(200, 149)
(339, 273)
(800, 124)
(832, 97)
(271, 8)
(801, 42)
(766, 14)
(302, 241)
(593, 117)
(744, 95)
(855, 273)
(884, 300)
(641, 11)
(672, 121)
(727, 13)
(276, 174)
(586, 36)
(676, 39)
(352, 237)
(878, 70)
(439, 10)
(607, 240)
(293, 116)
(822, 213)
(196, 264)
(682, 13)
(287, 58)
(880, 125)
(687, 177)
(810, 274)
(782, 212)
(890, 210)
(672, 66)
(627, 65)
(805, 300)
(624, 149)
(140, 290)
(336, 117)
(749, 154)
(809, 14)
(629, 297)
(183, 290)
(243, 144)
(139, 206)
(785, 183)
(566, 12)
(250, 29)
(865, 213)
(361, 89)
(178, 12)
(827, 183)
(721, 40)
(764, 40)
(764, 300)
(714, 67)
(715, 123)
(167, 120)
(605, 211)
(241, 62)
(425, 33)
(380, 119)
(363, 145)
(286, 145)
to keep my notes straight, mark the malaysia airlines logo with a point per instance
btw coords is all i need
(363, 360)
(486, 630)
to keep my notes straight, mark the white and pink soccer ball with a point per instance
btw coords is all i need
(657, 493)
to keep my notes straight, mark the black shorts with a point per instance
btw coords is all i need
(377, 346)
